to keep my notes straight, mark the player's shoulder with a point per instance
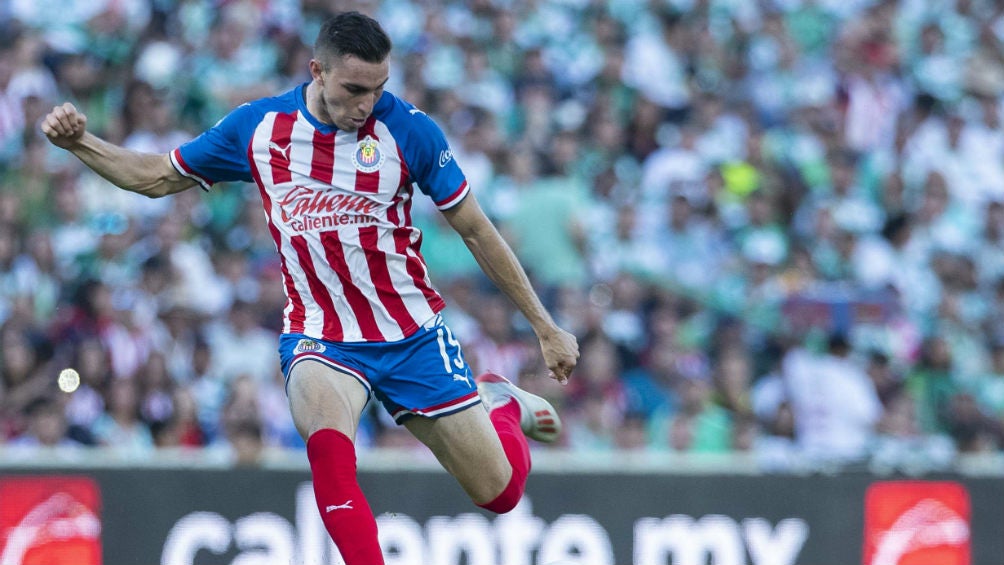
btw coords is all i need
(402, 116)
(285, 102)
(250, 113)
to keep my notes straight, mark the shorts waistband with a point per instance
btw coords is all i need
(434, 321)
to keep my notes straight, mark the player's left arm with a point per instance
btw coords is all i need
(499, 263)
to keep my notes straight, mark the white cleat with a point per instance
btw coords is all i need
(538, 419)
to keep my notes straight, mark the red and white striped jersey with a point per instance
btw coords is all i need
(338, 205)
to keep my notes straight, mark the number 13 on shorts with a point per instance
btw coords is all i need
(449, 349)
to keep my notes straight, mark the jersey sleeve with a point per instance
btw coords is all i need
(220, 153)
(431, 163)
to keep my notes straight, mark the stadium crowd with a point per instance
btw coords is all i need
(776, 226)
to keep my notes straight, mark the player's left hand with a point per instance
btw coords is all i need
(561, 353)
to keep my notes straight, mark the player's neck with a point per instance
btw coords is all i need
(312, 97)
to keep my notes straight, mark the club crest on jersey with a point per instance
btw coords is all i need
(367, 157)
(308, 346)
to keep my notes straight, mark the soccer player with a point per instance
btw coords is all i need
(335, 161)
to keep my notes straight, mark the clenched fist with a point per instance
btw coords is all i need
(561, 353)
(64, 125)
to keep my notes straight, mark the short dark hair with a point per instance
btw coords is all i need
(352, 33)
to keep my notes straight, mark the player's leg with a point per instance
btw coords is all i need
(469, 446)
(468, 443)
(428, 387)
(326, 405)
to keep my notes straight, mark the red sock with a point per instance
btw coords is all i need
(344, 510)
(505, 418)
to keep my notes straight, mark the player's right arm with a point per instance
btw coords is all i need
(143, 173)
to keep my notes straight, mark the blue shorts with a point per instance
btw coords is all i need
(422, 375)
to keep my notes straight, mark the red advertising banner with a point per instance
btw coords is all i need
(917, 523)
(50, 521)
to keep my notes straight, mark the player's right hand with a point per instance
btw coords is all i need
(64, 125)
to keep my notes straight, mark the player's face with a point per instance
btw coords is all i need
(348, 89)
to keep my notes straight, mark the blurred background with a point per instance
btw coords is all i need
(775, 226)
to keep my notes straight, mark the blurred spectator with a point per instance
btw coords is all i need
(497, 348)
(546, 225)
(593, 424)
(47, 427)
(885, 378)
(240, 346)
(671, 170)
(699, 425)
(278, 429)
(238, 66)
(245, 438)
(241, 401)
(597, 396)
(156, 391)
(936, 70)
(241, 439)
(989, 264)
(632, 433)
(874, 94)
(10, 287)
(900, 443)
(87, 403)
(972, 430)
(690, 249)
(11, 115)
(932, 384)
(733, 378)
(147, 121)
(207, 388)
(833, 401)
(121, 427)
(990, 386)
(36, 274)
(619, 248)
(182, 429)
(745, 435)
(23, 378)
(847, 202)
(654, 64)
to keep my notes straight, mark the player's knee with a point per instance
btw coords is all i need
(504, 502)
(486, 488)
(506, 494)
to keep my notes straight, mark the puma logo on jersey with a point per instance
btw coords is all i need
(284, 151)
(462, 378)
(414, 111)
(346, 506)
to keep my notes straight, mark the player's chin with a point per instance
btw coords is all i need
(352, 124)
